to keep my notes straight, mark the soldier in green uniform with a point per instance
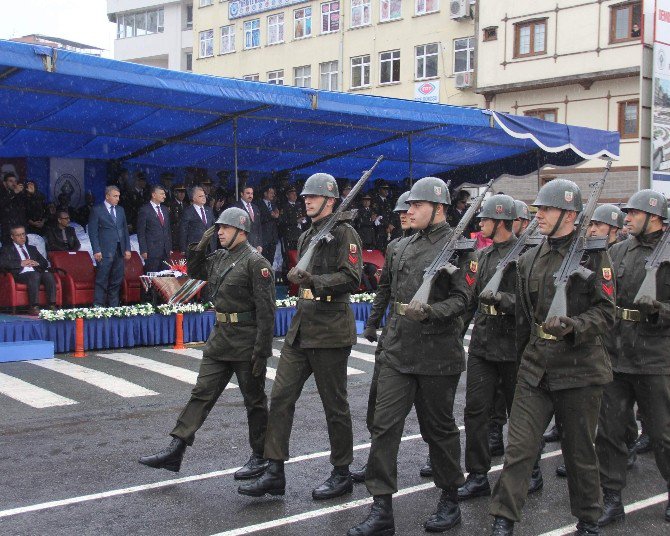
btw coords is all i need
(240, 342)
(318, 342)
(421, 362)
(563, 364)
(641, 362)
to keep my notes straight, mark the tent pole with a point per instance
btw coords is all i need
(237, 180)
(411, 167)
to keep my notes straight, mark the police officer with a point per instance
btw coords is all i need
(421, 362)
(318, 342)
(641, 363)
(563, 364)
(240, 342)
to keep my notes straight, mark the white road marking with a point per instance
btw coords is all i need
(370, 358)
(102, 380)
(31, 395)
(365, 342)
(190, 352)
(271, 373)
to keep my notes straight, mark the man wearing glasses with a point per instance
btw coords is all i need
(62, 237)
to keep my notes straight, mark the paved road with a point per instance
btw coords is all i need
(72, 430)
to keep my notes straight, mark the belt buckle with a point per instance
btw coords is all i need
(401, 308)
(489, 309)
(306, 294)
(232, 317)
(543, 335)
(631, 315)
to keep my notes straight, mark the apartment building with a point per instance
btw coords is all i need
(153, 32)
(410, 49)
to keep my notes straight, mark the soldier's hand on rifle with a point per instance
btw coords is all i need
(490, 297)
(258, 365)
(559, 326)
(417, 311)
(206, 237)
(299, 277)
(370, 333)
(648, 306)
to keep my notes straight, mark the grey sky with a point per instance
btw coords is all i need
(84, 21)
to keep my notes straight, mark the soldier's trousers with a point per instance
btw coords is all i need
(483, 379)
(652, 393)
(433, 397)
(296, 365)
(577, 411)
(213, 378)
(499, 409)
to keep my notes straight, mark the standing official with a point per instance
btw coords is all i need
(240, 342)
(246, 202)
(269, 215)
(153, 232)
(318, 342)
(196, 219)
(177, 207)
(292, 220)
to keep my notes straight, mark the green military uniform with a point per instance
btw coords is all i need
(562, 375)
(318, 342)
(244, 297)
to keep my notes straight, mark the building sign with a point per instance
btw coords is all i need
(660, 146)
(427, 91)
(242, 8)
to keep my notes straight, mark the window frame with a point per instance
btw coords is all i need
(363, 4)
(276, 79)
(425, 11)
(541, 113)
(256, 77)
(205, 3)
(188, 60)
(327, 16)
(489, 33)
(392, 60)
(303, 77)
(189, 11)
(251, 33)
(425, 56)
(389, 18)
(202, 42)
(531, 45)
(330, 74)
(122, 20)
(280, 28)
(469, 52)
(621, 121)
(230, 37)
(362, 66)
(619, 7)
(305, 18)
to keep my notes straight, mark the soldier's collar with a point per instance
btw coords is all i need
(556, 244)
(434, 232)
(318, 224)
(239, 247)
(650, 239)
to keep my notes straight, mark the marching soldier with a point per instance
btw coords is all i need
(421, 361)
(641, 362)
(523, 217)
(240, 342)
(563, 364)
(318, 342)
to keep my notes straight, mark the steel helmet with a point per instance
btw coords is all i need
(235, 217)
(667, 217)
(522, 211)
(321, 184)
(498, 207)
(560, 193)
(401, 204)
(648, 201)
(609, 214)
(430, 189)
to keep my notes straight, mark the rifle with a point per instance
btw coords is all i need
(456, 242)
(324, 233)
(571, 263)
(660, 255)
(511, 257)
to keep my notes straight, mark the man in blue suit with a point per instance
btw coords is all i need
(108, 231)
(153, 232)
(197, 218)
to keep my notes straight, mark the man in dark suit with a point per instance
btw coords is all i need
(108, 231)
(153, 232)
(255, 237)
(292, 220)
(197, 218)
(177, 207)
(61, 237)
(269, 223)
(28, 267)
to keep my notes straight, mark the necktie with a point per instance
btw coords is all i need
(25, 254)
(202, 215)
(251, 211)
(64, 236)
(113, 213)
(160, 216)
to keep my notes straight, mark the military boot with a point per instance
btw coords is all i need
(562, 471)
(359, 475)
(643, 443)
(632, 456)
(496, 445)
(338, 483)
(502, 527)
(169, 458)
(612, 507)
(427, 470)
(256, 466)
(536, 481)
(272, 481)
(586, 528)
(379, 521)
(448, 513)
(552, 435)
(476, 485)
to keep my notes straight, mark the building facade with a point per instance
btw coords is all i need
(153, 32)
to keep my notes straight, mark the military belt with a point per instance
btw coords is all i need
(536, 329)
(234, 318)
(489, 310)
(399, 308)
(632, 315)
(307, 294)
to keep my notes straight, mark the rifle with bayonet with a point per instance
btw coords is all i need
(571, 264)
(324, 233)
(456, 242)
(660, 255)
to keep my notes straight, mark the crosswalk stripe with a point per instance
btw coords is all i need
(370, 358)
(271, 373)
(190, 352)
(31, 395)
(365, 342)
(101, 380)
(176, 373)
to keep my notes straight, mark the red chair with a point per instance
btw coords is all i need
(77, 274)
(131, 288)
(13, 294)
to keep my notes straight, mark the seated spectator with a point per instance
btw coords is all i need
(29, 267)
(61, 237)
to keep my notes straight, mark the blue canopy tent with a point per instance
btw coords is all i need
(61, 104)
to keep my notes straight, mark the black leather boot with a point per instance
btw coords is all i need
(562, 471)
(496, 445)
(502, 527)
(256, 466)
(379, 521)
(536, 481)
(448, 513)
(586, 528)
(552, 435)
(359, 475)
(612, 507)
(476, 485)
(632, 456)
(643, 443)
(169, 458)
(272, 481)
(427, 470)
(338, 483)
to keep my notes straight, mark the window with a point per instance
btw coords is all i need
(302, 23)
(276, 29)
(330, 17)
(628, 119)
(204, 3)
(206, 43)
(140, 23)
(426, 61)
(189, 61)
(189, 17)
(427, 6)
(329, 74)
(389, 67)
(390, 10)
(360, 71)
(530, 38)
(464, 55)
(252, 33)
(360, 13)
(276, 77)
(251, 77)
(625, 22)
(302, 76)
(491, 33)
(227, 39)
(548, 114)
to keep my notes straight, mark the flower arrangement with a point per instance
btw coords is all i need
(363, 297)
(174, 308)
(178, 268)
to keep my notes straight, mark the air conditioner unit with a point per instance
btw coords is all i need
(463, 80)
(460, 9)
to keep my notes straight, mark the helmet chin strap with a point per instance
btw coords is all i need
(495, 228)
(323, 205)
(559, 221)
(232, 240)
(643, 231)
(433, 214)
